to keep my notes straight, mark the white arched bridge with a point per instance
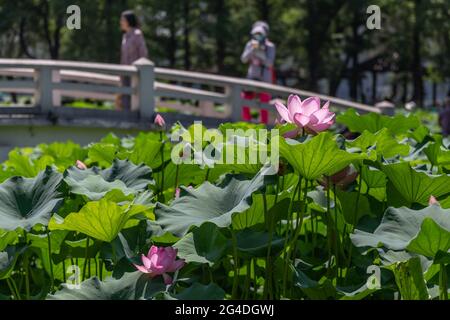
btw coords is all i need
(191, 96)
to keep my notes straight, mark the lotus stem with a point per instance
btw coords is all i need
(443, 294)
(336, 233)
(52, 279)
(162, 162)
(268, 279)
(234, 291)
(329, 222)
(85, 259)
(177, 171)
(286, 239)
(13, 288)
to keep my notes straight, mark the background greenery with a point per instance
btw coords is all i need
(316, 39)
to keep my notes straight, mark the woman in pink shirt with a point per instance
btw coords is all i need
(133, 48)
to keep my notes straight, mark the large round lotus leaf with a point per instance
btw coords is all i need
(101, 220)
(215, 204)
(131, 286)
(382, 141)
(205, 244)
(25, 202)
(200, 291)
(374, 122)
(404, 228)
(415, 186)
(318, 156)
(94, 183)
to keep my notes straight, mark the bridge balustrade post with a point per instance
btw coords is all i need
(43, 93)
(235, 101)
(143, 98)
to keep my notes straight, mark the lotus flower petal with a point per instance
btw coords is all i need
(323, 115)
(294, 105)
(301, 120)
(147, 262)
(310, 105)
(167, 279)
(159, 261)
(283, 111)
(141, 268)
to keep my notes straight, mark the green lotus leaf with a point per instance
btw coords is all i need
(205, 244)
(147, 150)
(100, 220)
(8, 259)
(415, 186)
(256, 243)
(21, 162)
(131, 286)
(245, 154)
(25, 202)
(101, 153)
(216, 204)
(353, 206)
(324, 289)
(402, 227)
(410, 279)
(200, 291)
(374, 122)
(382, 141)
(437, 153)
(373, 178)
(95, 183)
(318, 156)
(430, 240)
(64, 154)
(7, 238)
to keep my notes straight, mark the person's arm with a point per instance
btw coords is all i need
(248, 51)
(270, 57)
(267, 57)
(141, 47)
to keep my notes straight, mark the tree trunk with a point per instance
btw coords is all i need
(172, 46)
(313, 45)
(417, 56)
(354, 76)
(220, 29)
(374, 86)
(186, 31)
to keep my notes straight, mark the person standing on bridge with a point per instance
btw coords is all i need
(133, 48)
(259, 53)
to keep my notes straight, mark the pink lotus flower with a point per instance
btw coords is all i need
(306, 114)
(159, 261)
(433, 201)
(80, 165)
(178, 191)
(159, 121)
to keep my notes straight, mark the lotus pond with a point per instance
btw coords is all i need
(360, 215)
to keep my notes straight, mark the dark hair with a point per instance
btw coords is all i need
(131, 18)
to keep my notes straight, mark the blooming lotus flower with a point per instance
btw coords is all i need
(80, 165)
(159, 261)
(433, 201)
(159, 121)
(306, 114)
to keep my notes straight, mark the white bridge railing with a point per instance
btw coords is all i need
(48, 81)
